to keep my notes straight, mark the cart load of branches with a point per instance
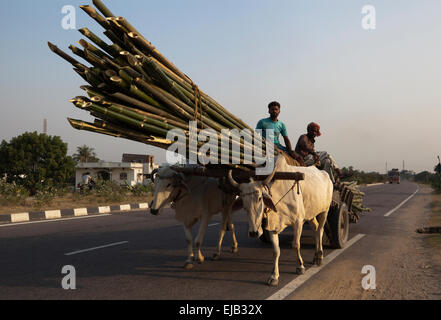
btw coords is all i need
(134, 92)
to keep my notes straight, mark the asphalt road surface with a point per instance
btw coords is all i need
(140, 256)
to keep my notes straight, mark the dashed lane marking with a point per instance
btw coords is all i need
(96, 248)
(402, 203)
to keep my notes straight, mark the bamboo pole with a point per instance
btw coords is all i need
(96, 16)
(150, 127)
(146, 127)
(64, 55)
(77, 51)
(115, 131)
(190, 91)
(146, 118)
(102, 8)
(143, 43)
(115, 39)
(158, 95)
(144, 106)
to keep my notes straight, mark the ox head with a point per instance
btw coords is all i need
(168, 184)
(255, 197)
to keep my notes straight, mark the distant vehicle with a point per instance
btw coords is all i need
(394, 176)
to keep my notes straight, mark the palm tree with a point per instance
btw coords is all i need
(85, 154)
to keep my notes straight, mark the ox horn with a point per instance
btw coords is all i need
(270, 177)
(231, 179)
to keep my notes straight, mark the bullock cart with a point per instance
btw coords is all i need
(339, 217)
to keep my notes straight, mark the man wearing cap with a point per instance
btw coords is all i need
(279, 128)
(322, 159)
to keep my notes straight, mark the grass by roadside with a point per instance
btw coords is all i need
(71, 201)
(434, 240)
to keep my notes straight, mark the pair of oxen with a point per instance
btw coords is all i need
(281, 202)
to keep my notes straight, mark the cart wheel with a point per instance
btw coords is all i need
(265, 237)
(338, 221)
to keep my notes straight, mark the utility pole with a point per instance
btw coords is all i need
(45, 126)
(386, 167)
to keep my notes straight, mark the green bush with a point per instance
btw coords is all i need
(11, 193)
(109, 190)
(362, 177)
(140, 190)
(435, 181)
(45, 195)
(423, 177)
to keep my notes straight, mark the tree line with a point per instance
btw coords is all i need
(35, 162)
(38, 161)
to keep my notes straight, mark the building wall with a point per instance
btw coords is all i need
(133, 175)
(115, 175)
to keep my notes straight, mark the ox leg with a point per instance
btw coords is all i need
(274, 278)
(200, 238)
(318, 235)
(234, 249)
(297, 228)
(190, 256)
(226, 221)
(222, 230)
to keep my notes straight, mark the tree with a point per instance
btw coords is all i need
(35, 161)
(437, 168)
(436, 180)
(85, 154)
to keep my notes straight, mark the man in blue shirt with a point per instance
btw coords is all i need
(279, 129)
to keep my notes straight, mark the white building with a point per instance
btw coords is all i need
(128, 172)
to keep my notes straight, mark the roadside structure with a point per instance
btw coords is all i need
(132, 170)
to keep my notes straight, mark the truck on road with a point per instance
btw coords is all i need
(394, 176)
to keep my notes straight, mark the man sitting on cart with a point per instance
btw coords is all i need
(272, 123)
(322, 159)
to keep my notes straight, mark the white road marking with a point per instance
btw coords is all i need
(298, 281)
(96, 248)
(374, 184)
(54, 220)
(401, 204)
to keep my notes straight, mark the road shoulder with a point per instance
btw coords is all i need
(406, 266)
(6, 219)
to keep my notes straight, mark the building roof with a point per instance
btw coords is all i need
(138, 158)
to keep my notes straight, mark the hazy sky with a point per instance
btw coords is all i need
(375, 93)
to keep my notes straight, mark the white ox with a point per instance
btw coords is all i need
(289, 205)
(195, 199)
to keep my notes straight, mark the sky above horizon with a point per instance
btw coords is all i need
(375, 93)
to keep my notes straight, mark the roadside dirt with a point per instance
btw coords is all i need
(70, 201)
(407, 264)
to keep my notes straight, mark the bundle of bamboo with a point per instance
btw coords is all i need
(136, 93)
(357, 201)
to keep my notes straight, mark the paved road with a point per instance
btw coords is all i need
(139, 256)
